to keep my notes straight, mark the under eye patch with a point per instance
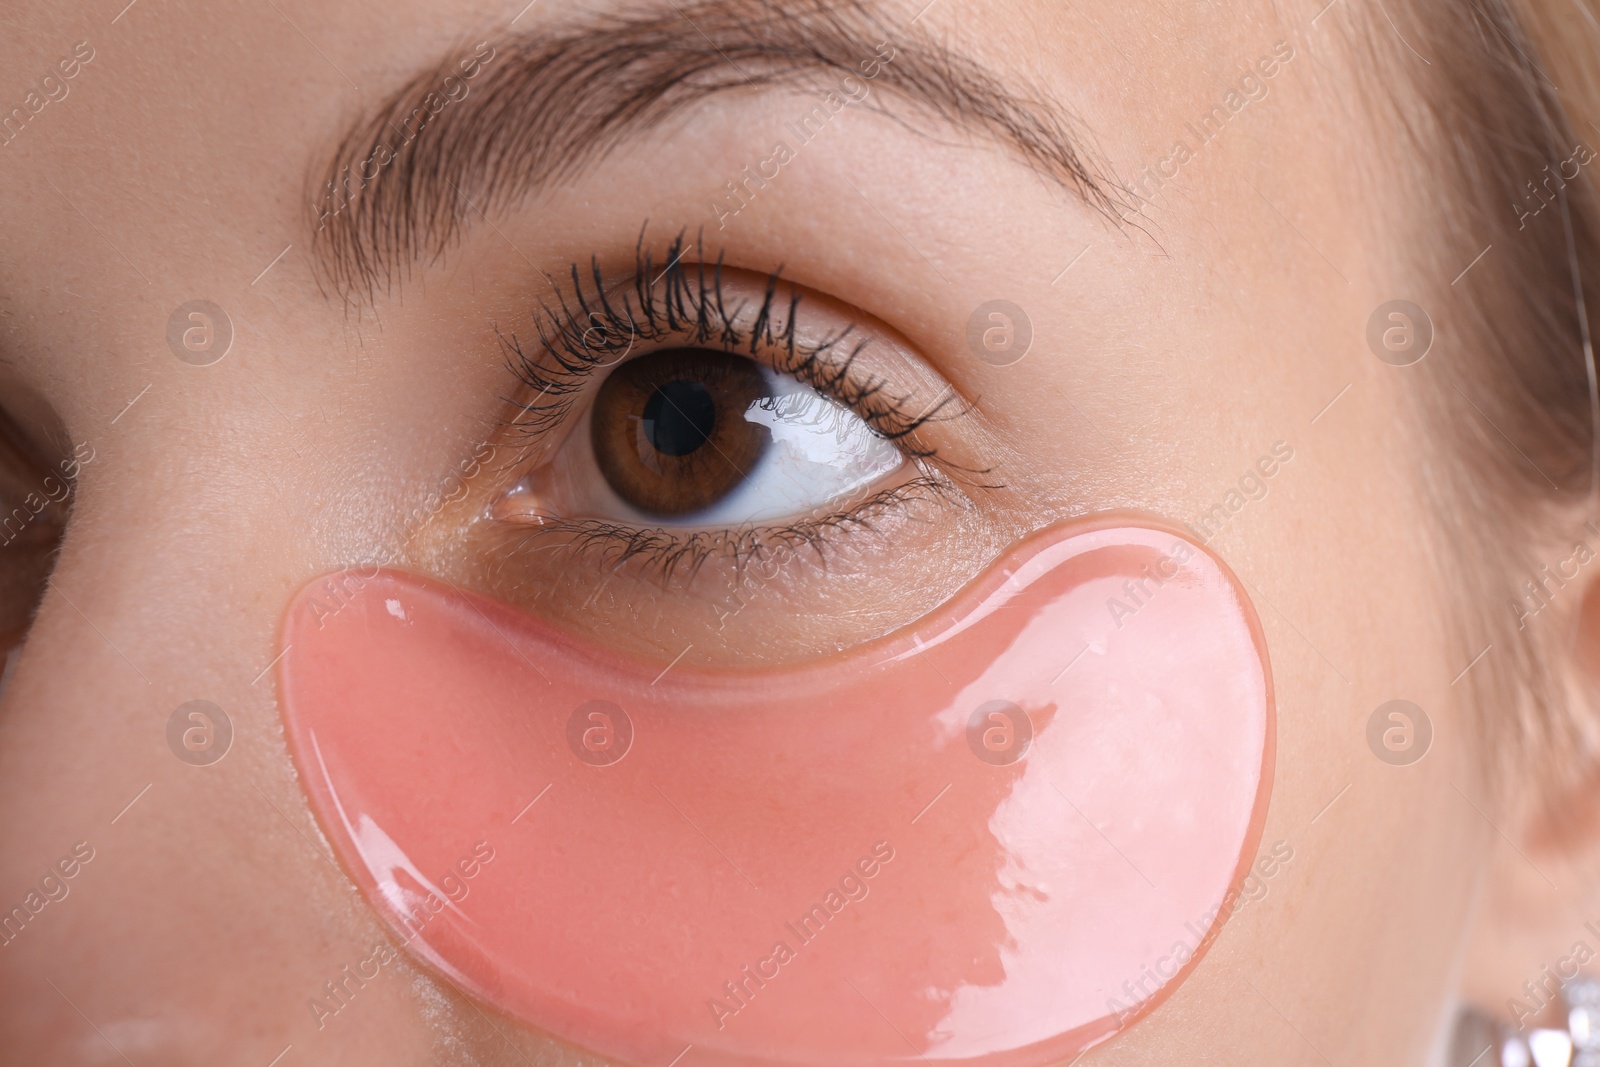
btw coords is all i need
(995, 837)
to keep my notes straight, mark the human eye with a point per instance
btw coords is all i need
(690, 426)
(702, 438)
(36, 493)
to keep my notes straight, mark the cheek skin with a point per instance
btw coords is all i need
(1050, 791)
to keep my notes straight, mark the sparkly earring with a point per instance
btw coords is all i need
(1483, 1042)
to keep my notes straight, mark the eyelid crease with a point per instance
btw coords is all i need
(593, 327)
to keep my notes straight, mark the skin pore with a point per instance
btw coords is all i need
(1172, 354)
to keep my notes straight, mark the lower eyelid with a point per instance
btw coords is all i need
(657, 552)
(771, 593)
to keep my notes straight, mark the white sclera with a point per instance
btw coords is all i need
(820, 451)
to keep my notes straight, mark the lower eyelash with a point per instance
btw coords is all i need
(661, 552)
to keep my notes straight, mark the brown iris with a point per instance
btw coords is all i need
(669, 431)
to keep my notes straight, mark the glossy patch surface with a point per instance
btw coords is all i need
(992, 838)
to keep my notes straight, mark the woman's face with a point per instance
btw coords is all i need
(1197, 353)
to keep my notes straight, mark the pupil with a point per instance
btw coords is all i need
(679, 417)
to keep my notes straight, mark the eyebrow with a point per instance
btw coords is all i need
(476, 136)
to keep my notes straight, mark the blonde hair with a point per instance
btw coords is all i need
(1497, 102)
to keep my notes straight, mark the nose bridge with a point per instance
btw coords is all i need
(163, 594)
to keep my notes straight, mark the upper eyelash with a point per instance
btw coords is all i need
(590, 328)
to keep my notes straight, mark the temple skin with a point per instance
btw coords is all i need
(996, 837)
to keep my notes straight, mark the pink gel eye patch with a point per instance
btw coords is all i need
(995, 837)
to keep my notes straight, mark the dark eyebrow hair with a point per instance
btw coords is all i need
(406, 180)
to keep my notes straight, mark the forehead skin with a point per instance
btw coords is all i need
(1170, 357)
